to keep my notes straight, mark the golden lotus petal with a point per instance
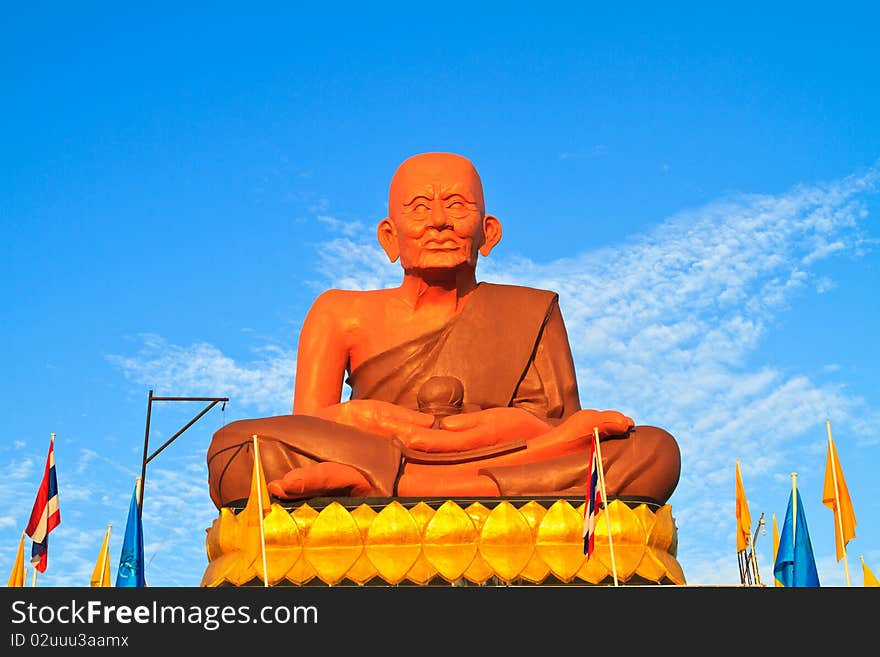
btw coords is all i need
(224, 541)
(593, 570)
(363, 569)
(646, 517)
(212, 540)
(223, 536)
(627, 539)
(283, 544)
(533, 513)
(241, 571)
(673, 569)
(449, 541)
(422, 570)
(333, 543)
(559, 541)
(281, 530)
(651, 568)
(479, 571)
(536, 569)
(505, 541)
(219, 569)
(249, 564)
(662, 534)
(393, 542)
(421, 513)
(304, 516)
(627, 528)
(302, 572)
(478, 512)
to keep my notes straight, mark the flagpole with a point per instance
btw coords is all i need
(24, 562)
(793, 512)
(104, 556)
(258, 464)
(839, 513)
(740, 559)
(605, 500)
(752, 540)
(34, 579)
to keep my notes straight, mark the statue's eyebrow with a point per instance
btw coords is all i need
(456, 190)
(424, 194)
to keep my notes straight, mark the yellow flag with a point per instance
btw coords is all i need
(775, 549)
(870, 580)
(743, 518)
(16, 577)
(101, 573)
(257, 508)
(837, 499)
(258, 498)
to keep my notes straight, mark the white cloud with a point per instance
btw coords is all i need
(201, 369)
(356, 264)
(347, 228)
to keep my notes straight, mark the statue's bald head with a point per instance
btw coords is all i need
(441, 169)
(436, 214)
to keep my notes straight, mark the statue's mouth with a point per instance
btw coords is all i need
(442, 245)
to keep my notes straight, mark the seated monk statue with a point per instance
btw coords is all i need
(458, 388)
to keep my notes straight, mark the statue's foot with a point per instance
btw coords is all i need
(319, 480)
(446, 485)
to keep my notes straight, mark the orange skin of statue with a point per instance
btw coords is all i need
(437, 228)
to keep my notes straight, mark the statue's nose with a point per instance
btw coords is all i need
(438, 215)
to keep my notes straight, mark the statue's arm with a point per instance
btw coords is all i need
(322, 358)
(322, 355)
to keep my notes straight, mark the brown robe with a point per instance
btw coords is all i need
(508, 347)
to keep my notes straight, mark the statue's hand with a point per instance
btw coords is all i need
(577, 431)
(377, 417)
(484, 428)
(609, 423)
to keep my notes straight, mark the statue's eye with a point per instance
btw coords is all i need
(455, 205)
(422, 207)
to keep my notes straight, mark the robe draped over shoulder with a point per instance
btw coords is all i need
(508, 347)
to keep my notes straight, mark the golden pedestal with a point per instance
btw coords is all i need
(444, 542)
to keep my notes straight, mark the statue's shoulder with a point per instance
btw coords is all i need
(339, 303)
(337, 295)
(518, 294)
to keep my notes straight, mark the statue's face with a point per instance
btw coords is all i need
(436, 206)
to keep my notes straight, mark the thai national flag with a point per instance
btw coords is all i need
(594, 497)
(45, 515)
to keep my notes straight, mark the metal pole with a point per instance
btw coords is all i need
(147, 459)
(146, 447)
(188, 425)
(754, 553)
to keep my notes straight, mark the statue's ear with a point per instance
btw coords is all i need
(387, 234)
(491, 234)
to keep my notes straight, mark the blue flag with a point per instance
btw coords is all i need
(131, 562)
(795, 564)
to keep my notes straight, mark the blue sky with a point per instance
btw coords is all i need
(701, 186)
